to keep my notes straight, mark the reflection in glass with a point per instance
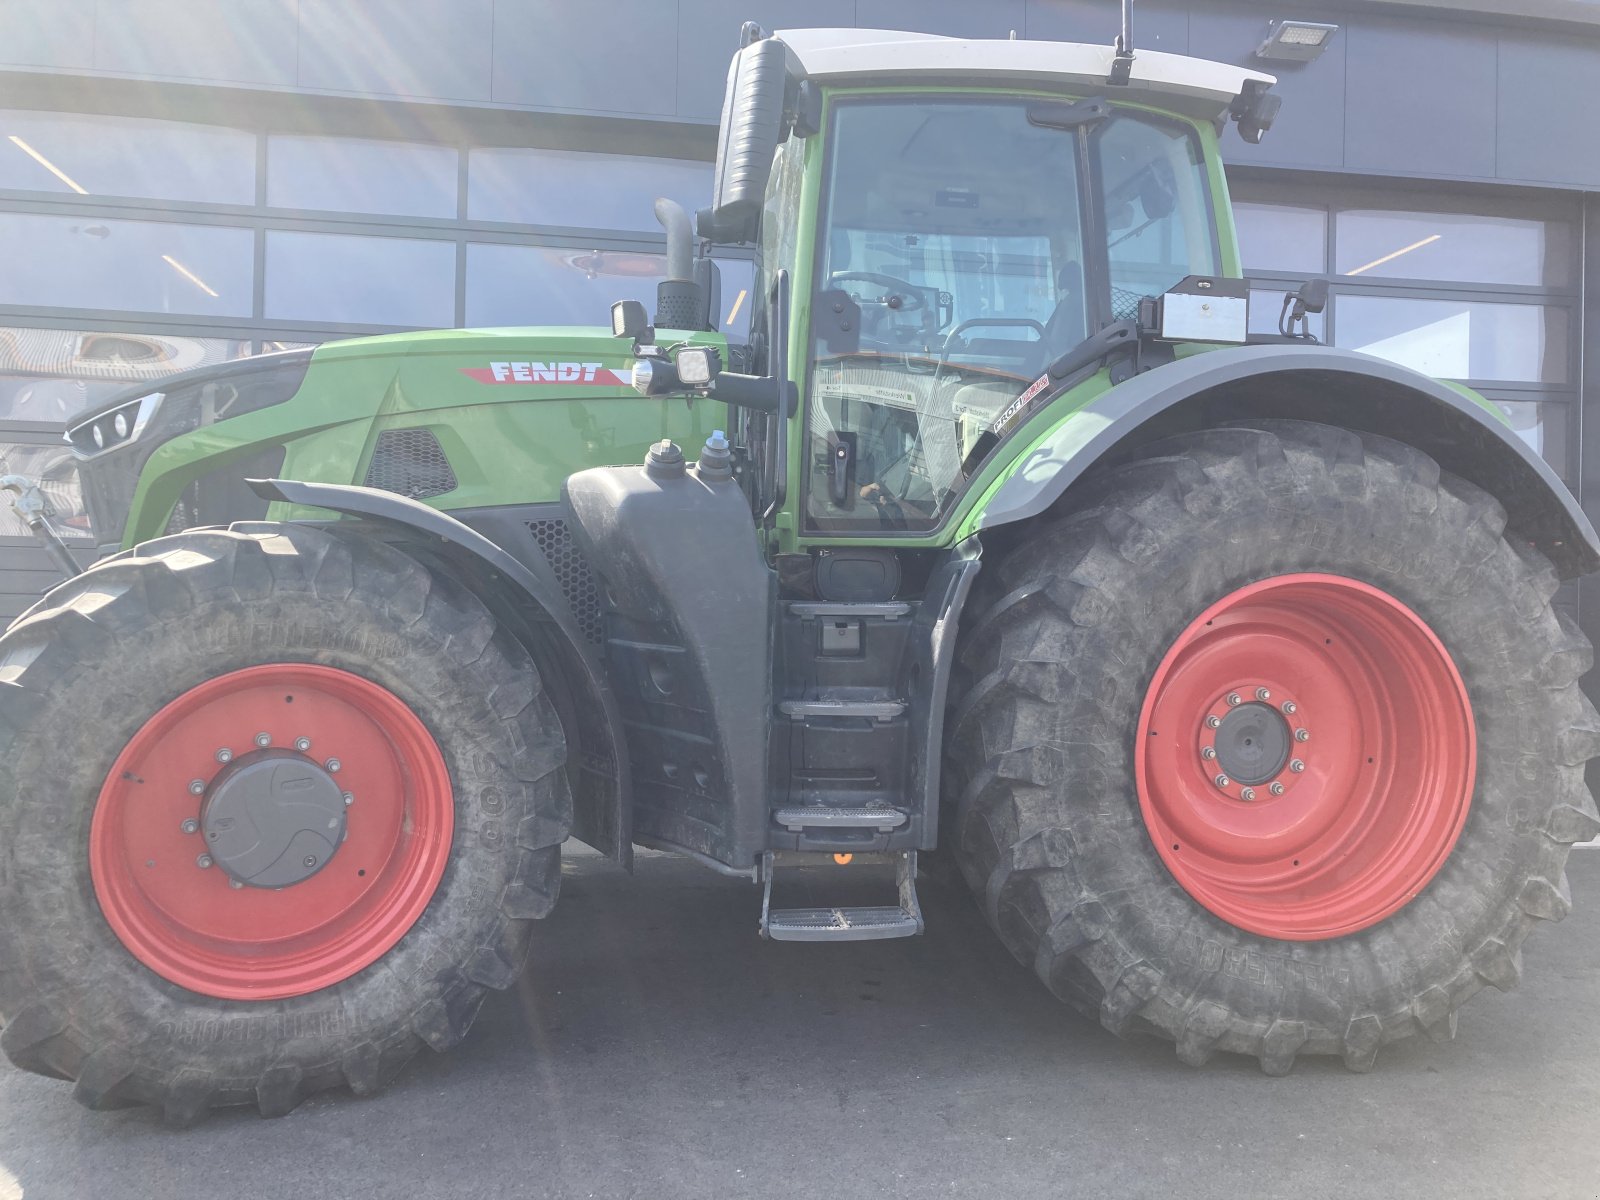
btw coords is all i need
(126, 156)
(737, 300)
(1456, 247)
(49, 375)
(56, 472)
(1282, 238)
(351, 280)
(363, 175)
(543, 285)
(590, 191)
(153, 266)
(1458, 339)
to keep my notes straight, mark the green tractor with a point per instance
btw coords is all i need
(1221, 664)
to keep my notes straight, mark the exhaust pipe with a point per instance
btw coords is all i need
(679, 302)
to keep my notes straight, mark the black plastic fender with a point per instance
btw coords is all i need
(1310, 383)
(526, 597)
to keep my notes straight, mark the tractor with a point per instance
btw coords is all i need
(1221, 664)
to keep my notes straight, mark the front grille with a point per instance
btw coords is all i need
(572, 572)
(411, 463)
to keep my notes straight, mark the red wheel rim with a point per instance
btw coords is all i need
(189, 924)
(1361, 813)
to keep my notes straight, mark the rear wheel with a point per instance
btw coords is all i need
(278, 805)
(1274, 745)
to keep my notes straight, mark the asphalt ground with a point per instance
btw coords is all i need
(657, 1048)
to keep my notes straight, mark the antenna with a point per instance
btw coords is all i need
(1122, 64)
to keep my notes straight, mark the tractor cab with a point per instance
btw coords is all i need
(958, 225)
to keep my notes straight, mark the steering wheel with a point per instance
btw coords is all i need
(911, 297)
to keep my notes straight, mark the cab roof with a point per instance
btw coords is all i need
(1193, 86)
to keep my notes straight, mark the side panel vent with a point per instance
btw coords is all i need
(412, 463)
(572, 572)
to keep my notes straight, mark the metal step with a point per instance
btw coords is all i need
(878, 710)
(863, 924)
(820, 817)
(840, 924)
(887, 609)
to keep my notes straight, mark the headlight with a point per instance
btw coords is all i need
(698, 365)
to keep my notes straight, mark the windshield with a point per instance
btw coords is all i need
(953, 272)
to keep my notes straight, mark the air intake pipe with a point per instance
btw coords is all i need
(680, 300)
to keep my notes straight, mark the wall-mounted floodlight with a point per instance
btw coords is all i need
(1296, 41)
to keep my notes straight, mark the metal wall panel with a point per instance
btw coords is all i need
(1546, 119)
(441, 49)
(240, 41)
(955, 18)
(615, 57)
(708, 32)
(1309, 131)
(48, 33)
(1155, 27)
(1420, 99)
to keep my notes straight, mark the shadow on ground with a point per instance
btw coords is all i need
(656, 1047)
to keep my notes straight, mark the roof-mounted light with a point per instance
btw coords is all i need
(1295, 41)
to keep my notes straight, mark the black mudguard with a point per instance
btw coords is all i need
(526, 597)
(1310, 383)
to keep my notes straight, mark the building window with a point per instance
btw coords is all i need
(67, 154)
(145, 266)
(1477, 290)
(580, 189)
(341, 279)
(362, 175)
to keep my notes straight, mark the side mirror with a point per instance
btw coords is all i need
(752, 126)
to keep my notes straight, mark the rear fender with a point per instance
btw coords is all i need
(1307, 383)
(526, 598)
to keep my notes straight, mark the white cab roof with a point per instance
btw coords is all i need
(885, 56)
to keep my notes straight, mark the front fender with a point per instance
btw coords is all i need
(1309, 383)
(526, 597)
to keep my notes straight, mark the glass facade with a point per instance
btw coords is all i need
(1456, 286)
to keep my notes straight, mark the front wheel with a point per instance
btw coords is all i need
(277, 805)
(1273, 745)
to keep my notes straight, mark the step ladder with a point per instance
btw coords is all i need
(861, 924)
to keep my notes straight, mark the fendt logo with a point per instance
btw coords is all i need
(592, 374)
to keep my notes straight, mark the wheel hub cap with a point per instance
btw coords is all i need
(1252, 744)
(273, 819)
(1306, 757)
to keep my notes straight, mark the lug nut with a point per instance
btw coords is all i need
(1276, 789)
(1234, 698)
(1297, 766)
(1263, 694)
(1248, 794)
(302, 744)
(190, 826)
(203, 861)
(197, 787)
(235, 884)
(224, 755)
(1289, 706)
(1208, 753)
(1302, 735)
(333, 766)
(263, 740)
(349, 799)
(1213, 722)
(1222, 781)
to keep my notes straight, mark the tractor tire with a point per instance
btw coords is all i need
(1414, 758)
(276, 680)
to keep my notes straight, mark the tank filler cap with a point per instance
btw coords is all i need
(664, 461)
(716, 459)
